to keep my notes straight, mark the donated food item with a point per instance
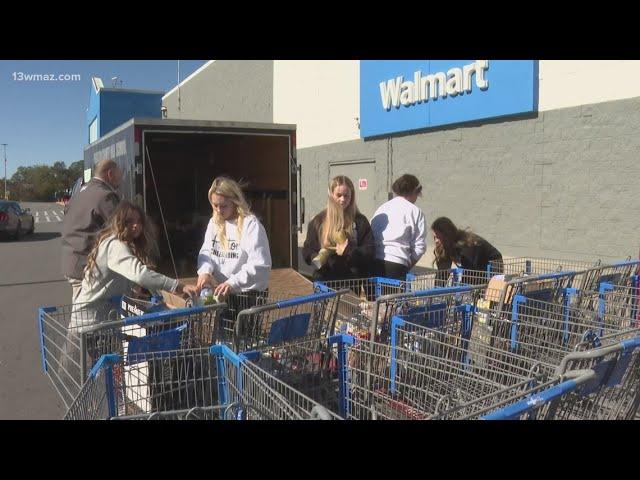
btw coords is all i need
(322, 257)
(208, 298)
(211, 300)
(340, 237)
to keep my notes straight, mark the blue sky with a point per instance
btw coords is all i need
(44, 122)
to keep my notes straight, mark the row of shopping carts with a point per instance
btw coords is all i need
(529, 338)
(74, 337)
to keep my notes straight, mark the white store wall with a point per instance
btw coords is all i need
(323, 96)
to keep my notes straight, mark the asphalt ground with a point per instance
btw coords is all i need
(29, 278)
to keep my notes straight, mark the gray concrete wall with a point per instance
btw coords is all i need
(226, 90)
(562, 184)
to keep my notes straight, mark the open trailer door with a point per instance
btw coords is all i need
(179, 166)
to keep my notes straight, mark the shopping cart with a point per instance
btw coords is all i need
(367, 380)
(73, 337)
(357, 304)
(622, 300)
(538, 317)
(609, 388)
(589, 280)
(604, 380)
(453, 277)
(539, 265)
(435, 302)
(239, 302)
(421, 382)
(546, 330)
(206, 384)
(310, 366)
(310, 316)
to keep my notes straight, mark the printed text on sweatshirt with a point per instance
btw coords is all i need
(246, 262)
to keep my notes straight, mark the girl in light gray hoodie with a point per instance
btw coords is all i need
(118, 260)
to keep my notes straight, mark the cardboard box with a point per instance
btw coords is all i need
(283, 282)
(178, 300)
(498, 284)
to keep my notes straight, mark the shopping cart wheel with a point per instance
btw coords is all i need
(237, 412)
(446, 402)
(590, 339)
(193, 414)
(535, 370)
(113, 315)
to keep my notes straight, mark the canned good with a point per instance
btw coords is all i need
(206, 292)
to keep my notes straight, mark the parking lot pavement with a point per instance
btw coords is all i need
(30, 277)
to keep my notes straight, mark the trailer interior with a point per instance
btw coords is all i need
(178, 172)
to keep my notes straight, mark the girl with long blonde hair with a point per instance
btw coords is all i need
(235, 256)
(119, 258)
(339, 240)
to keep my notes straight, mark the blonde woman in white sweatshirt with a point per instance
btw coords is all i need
(235, 256)
(118, 260)
(399, 230)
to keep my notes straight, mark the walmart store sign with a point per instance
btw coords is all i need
(402, 95)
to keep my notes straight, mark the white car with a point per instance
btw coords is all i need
(14, 221)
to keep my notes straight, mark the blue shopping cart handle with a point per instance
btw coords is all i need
(306, 299)
(341, 339)
(226, 352)
(512, 412)
(166, 314)
(104, 361)
(440, 291)
(546, 276)
(630, 344)
(627, 263)
(387, 281)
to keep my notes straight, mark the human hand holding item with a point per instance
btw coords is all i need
(191, 290)
(140, 292)
(204, 280)
(341, 247)
(342, 240)
(222, 290)
(321, 258)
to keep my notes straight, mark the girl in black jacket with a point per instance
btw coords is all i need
(339, 239)
(465, 248)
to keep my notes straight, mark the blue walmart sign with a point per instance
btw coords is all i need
(401, 95)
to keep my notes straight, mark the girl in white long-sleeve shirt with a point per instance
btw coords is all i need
(118, 259)
(399, 230)
(235, 256)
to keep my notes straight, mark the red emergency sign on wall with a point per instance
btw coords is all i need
(363, 183)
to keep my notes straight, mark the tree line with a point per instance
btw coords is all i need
(43, 183)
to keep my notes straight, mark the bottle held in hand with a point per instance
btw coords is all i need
(322, 257)
(340, 237)
(207, 297)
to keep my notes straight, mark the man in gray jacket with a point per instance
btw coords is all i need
(84, 216)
